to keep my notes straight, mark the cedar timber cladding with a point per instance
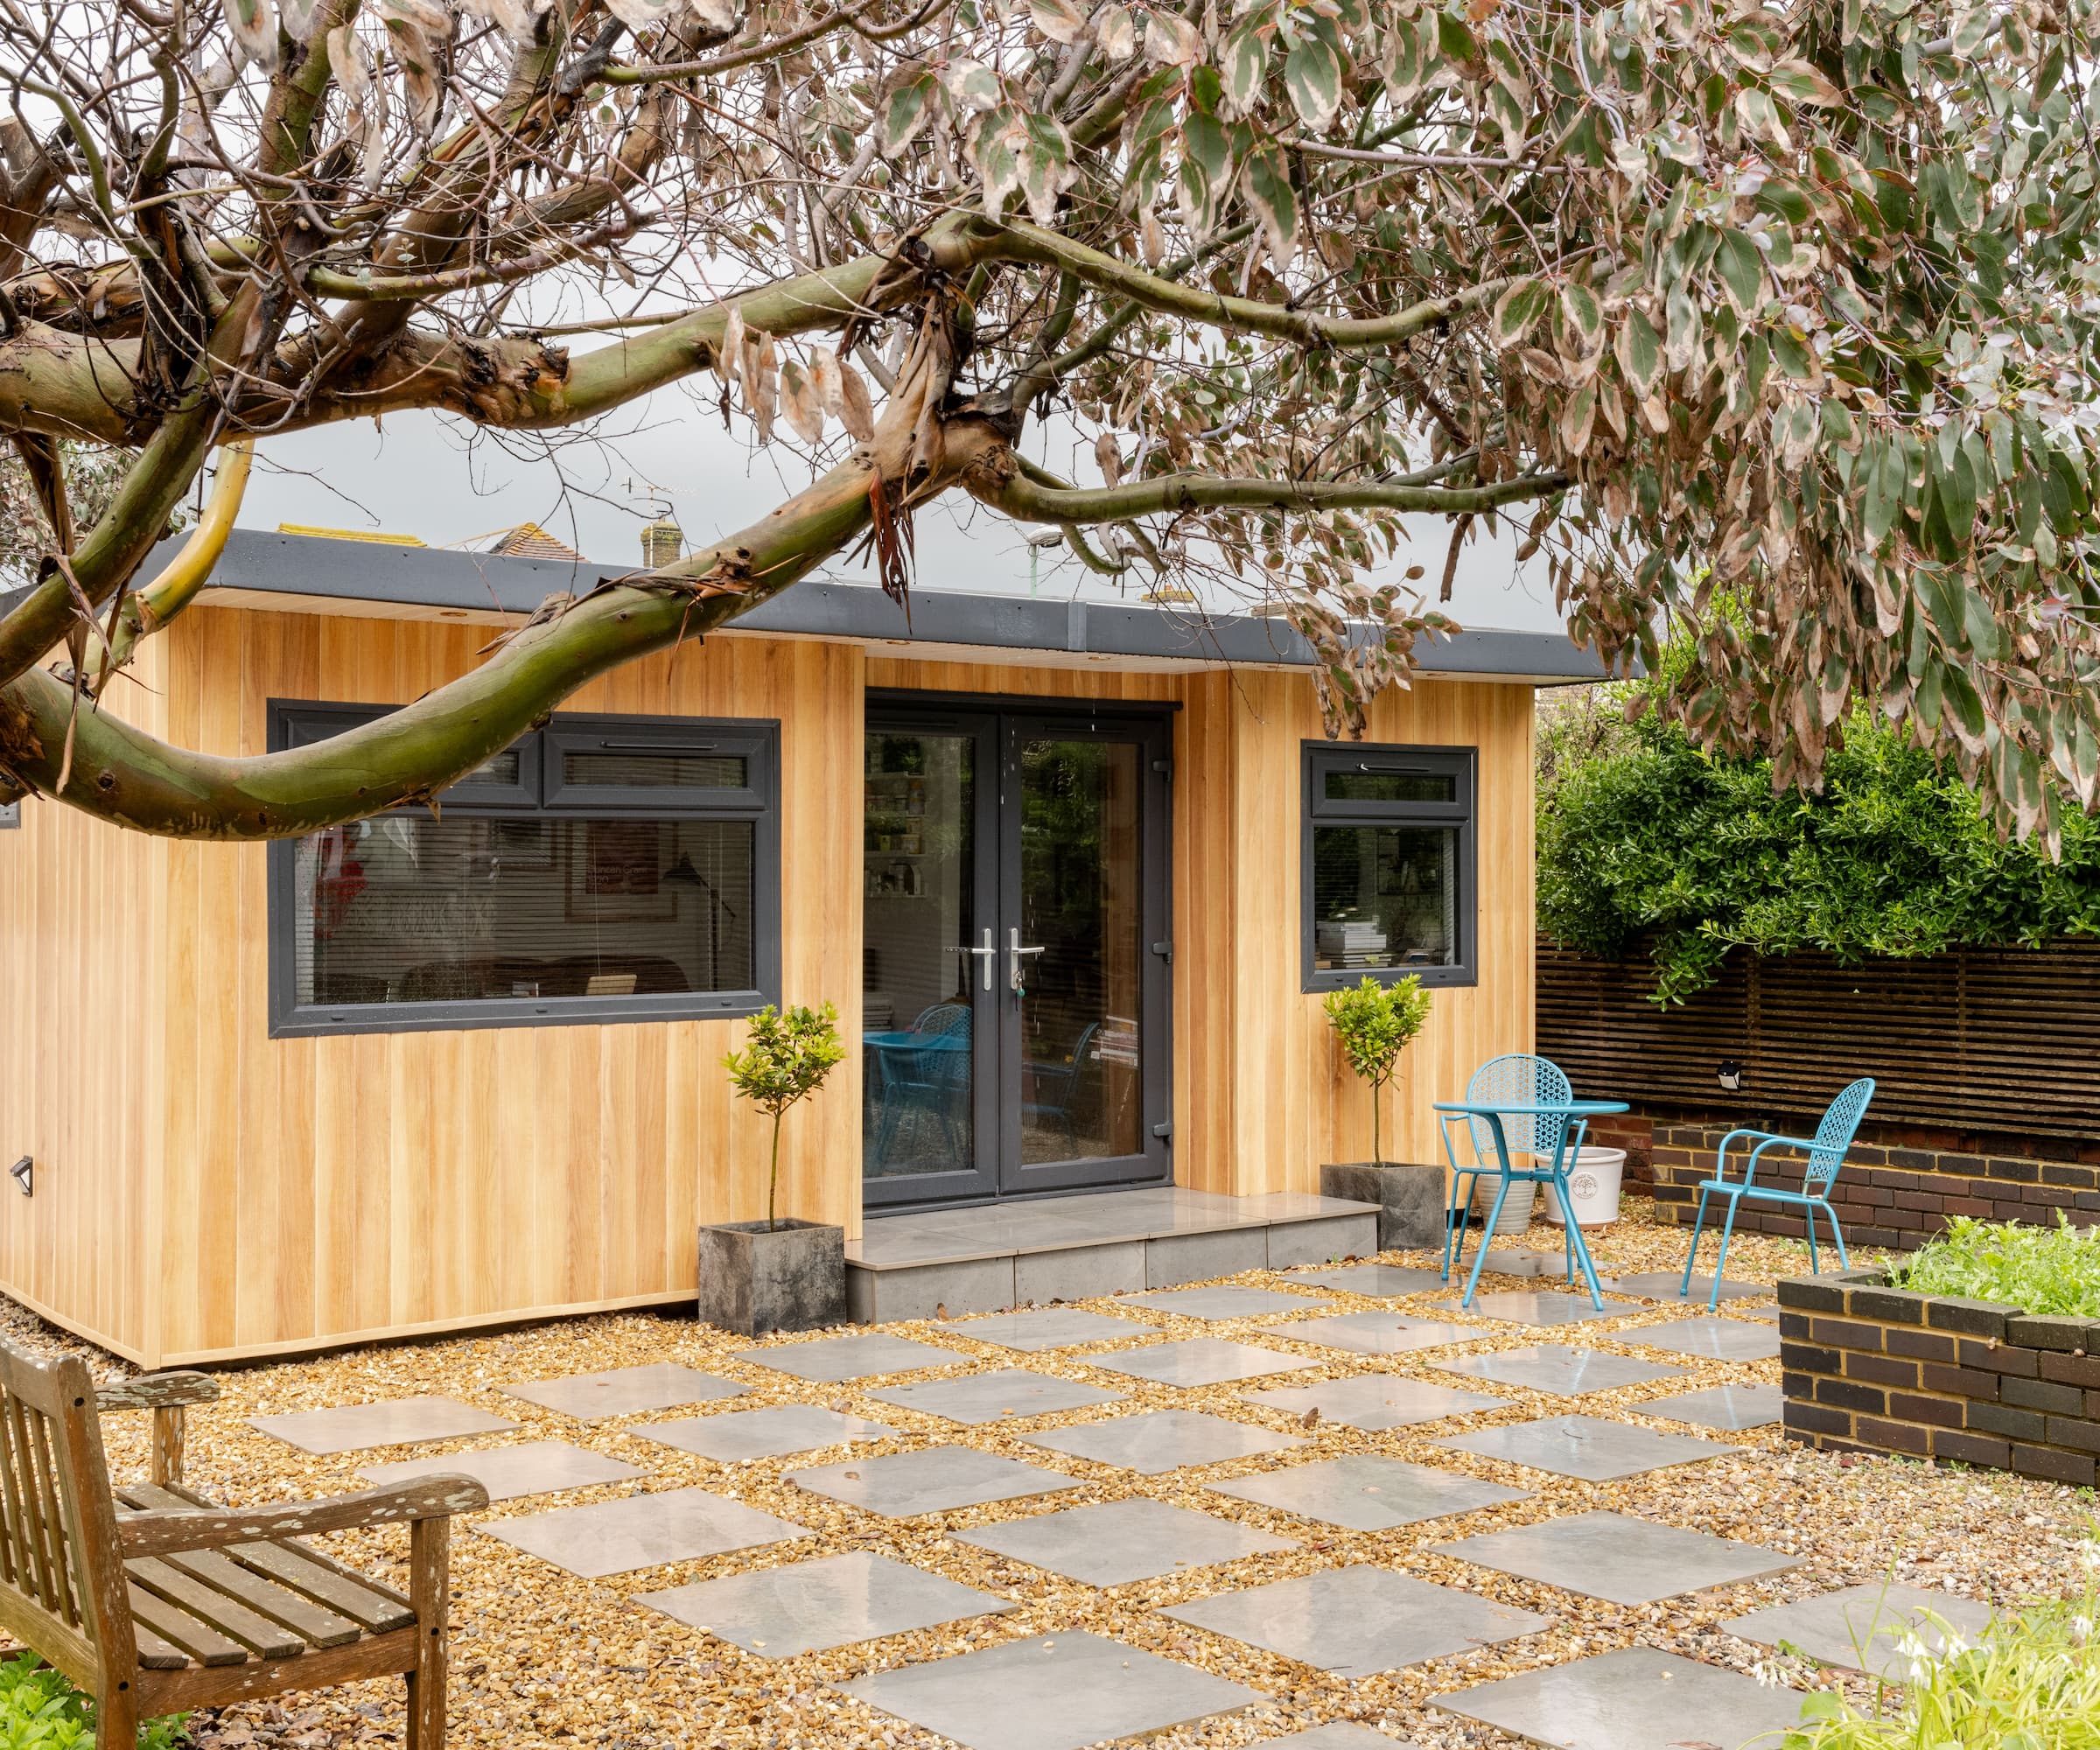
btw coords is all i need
(1993, 1040)
(204, 1190)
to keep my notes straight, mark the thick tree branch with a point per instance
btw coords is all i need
(1022, 498)
(1028, 242)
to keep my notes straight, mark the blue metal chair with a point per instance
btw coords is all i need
(1516, 1079)
(926, 1073)
(1057, 1086)
(1826, 1150)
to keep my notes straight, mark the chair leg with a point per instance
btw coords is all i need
(1495, 1215)
(1698, 1227)
(117, 1718)
(1836, 1234)
(430, 1550)
(1462, 1187)
(1720, 1263)
(1814, 1264)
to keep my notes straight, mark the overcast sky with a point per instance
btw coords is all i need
(421, 476)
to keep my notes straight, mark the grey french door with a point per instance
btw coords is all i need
(1015, 966)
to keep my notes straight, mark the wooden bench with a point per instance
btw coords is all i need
(155, 1600)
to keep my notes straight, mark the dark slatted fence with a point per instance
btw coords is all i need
(1997, 1039)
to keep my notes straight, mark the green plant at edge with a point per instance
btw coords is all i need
(41, 1711)
(1373, 1023)
(786, 1057)
(2031, 1682)
(2052, 1272)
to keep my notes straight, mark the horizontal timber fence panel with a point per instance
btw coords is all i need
(2001, 1040)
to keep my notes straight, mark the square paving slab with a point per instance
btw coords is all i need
(641, 1531)
(398, 1422)
(1050, 1327)
(980, 1398)
(1337, 1734)
(809, 1606)
(1560, 1369)
(1367, 1493)
(1058, 1693)
(1633, 1699)
(1200, 1360)
(1529, 1306)
(1376, 1401)
(1381, 1280)
(535, 1467)
(1720, 1339)
(1725, 1407)
(1112, 1544)
(1159, 1441)
(1767, 1312)
(1661, 1284)
(1381, 1333)
(1359, 1621)
(1859, 1627)
(1618, 1557)
(1228, 1300)
(771, 1433)
(1585, 1446)
(625, 1391)
(932, 1479)
(829, 1359)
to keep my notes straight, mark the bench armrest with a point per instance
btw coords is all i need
(157, 1391)
(169, 1530)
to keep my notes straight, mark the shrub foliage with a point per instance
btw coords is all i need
(1646, 842)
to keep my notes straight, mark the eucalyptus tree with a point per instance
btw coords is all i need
(1768, 327)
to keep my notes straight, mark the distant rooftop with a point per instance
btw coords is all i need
(403, 579)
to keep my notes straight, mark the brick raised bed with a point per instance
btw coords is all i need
(1872, 1369)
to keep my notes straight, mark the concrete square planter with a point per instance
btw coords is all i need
(791, 1278)
(1410, 1199)
(1869, 1367)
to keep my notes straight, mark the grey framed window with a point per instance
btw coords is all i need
(1388, 863)
(600, 868)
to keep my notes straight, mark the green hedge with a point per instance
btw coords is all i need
(1641, 838)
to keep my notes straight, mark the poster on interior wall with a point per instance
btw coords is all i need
(616, 873)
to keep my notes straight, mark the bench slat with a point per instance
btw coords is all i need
(202, 1642)
(309, 1621)
(210, 1606)
(375, 1607)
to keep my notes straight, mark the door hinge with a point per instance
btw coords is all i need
(1165, 768)
(1164, 950)
(1165, 1132)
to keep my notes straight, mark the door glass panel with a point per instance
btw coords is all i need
(918, 998)
(1080, 903)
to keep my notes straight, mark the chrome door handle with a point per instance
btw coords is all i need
(986, 954)
(1014, 951)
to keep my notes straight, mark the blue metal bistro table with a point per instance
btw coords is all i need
(1557, 1118)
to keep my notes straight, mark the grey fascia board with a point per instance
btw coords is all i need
(322, 570)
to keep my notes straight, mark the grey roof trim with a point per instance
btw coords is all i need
(431, 579)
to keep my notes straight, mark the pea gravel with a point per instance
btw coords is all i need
(542, 1659)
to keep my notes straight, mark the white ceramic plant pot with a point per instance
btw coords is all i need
(1593, 1180)
(1516, 1212)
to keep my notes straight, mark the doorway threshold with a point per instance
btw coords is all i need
(991, 1258)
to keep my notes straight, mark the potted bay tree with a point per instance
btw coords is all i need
(778, 1274)
(1373, 1023)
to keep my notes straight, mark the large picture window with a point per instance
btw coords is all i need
(601, 869)
(1388, 863)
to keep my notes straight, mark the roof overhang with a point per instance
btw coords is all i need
(304, 574)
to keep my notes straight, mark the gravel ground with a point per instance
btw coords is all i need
(540, 1658)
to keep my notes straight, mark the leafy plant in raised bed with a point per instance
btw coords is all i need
(41, 1711)
(2032, 1682)
(2048, 1272)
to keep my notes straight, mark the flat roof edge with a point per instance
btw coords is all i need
(320, 570)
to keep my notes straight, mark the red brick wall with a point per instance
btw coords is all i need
(1888, 1194)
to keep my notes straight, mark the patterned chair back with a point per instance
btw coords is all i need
(1834, 1136)
(942, 1019)
(1518, 1079)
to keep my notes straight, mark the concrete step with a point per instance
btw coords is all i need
(988, 1258)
